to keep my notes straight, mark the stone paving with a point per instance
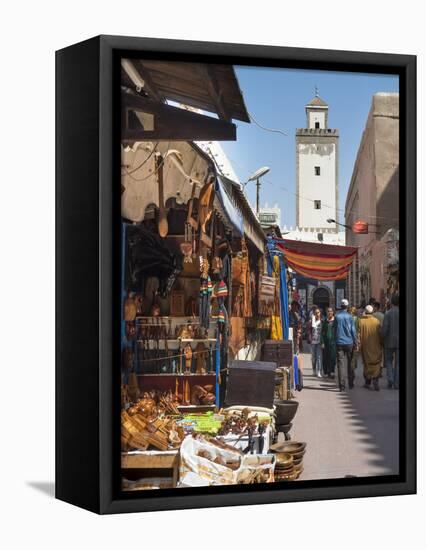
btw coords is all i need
(351, 433)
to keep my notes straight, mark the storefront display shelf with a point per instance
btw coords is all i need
(196, 408)
(188, 317)
(179, 340)
(198, 339)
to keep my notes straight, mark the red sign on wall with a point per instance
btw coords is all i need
(360, 227)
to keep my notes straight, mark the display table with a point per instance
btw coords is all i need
(152, 460)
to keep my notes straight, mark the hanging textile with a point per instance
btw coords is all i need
(241, 282)
(284, 299)
(322, 262)
(283, 295)
(276, 325)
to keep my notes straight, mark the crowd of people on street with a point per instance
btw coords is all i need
(340, 340)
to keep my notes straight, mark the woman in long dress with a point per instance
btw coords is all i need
(371, 347)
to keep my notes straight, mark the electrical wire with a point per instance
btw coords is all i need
(153, 173)
(143, 162)
(274, 130)
(333, 208)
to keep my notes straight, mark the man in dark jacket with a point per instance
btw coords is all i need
(390, 336)
(346, 342)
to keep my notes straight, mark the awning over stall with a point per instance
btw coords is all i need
(228, 209)
(322, 262)
(251, 225)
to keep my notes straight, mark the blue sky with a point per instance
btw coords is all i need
(276, 98)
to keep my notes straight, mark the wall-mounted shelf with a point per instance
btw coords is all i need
(189, 317)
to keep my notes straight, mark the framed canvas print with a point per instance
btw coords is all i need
(235, 243)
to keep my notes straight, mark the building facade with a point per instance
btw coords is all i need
(270, 216)
(373, 196)
(317, 196)
(316, 170)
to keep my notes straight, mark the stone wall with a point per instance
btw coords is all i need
(373, 196)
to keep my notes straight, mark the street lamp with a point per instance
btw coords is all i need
(330, 220)
(360, 227)
(256, 177)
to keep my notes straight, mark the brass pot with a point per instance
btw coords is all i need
(284, 459)
(292, 447)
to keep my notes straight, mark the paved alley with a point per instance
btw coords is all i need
(351, 433)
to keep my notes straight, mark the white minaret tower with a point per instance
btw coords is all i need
(316, 170)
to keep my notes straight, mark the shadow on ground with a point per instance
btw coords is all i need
(355, 432)
(46, 487)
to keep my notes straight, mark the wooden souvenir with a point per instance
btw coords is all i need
(188, 358)
(177, 303)
(201, 357)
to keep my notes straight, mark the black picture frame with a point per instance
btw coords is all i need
(87, 249)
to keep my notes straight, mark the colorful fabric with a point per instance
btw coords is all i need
(316, 260)
(222, 314)
(276, 328)
(221, 290)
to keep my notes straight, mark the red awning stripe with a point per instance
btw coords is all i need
(319, 276)
(316, 247)
(317, 254)
(318, 261)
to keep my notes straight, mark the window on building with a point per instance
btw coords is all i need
(317, 171)
(317, 125)
(317, 205)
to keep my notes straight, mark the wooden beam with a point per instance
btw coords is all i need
(172, 123)
(214, 91)
(149, 87)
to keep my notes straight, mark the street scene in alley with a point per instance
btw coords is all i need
(259, 275)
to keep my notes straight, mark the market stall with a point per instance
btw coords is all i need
(197, 292)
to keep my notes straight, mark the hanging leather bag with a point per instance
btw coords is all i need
(240, 265)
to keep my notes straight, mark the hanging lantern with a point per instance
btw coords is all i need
(360, 227)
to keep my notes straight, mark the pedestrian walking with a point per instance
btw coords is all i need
(328, 343)
(377, 312)
(371, 347)
(314, 336)
(355, 354)
(390, 335)
(295, 324)
(346, 342)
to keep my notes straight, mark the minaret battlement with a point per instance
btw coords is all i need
(317, 132)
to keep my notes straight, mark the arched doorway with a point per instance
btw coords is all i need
(321, 298)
